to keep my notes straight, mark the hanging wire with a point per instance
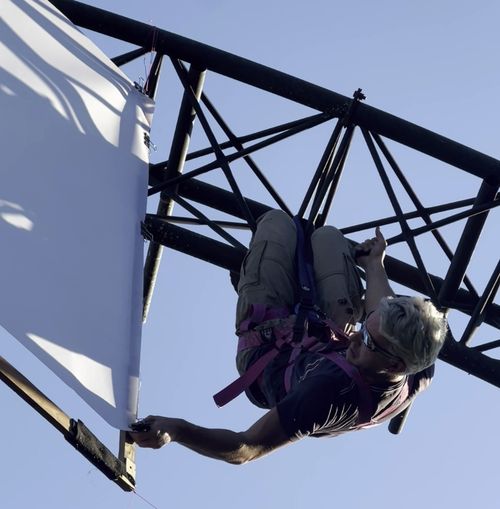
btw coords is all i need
(144, 499)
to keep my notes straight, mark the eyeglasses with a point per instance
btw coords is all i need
(369, 342)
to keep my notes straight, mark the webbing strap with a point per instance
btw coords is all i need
(305, 274)
(248, 378)
(259, 313)
(366, 405)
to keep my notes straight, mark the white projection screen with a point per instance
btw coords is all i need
(73, 182)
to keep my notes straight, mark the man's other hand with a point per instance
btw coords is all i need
(371, 251)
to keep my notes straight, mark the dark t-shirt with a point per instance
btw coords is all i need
(323, 399)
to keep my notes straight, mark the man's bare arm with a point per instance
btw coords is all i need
(263, 437)
(377, 282)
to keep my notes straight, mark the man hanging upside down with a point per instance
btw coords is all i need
(333, 378)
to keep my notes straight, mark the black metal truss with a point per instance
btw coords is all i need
(168, 180)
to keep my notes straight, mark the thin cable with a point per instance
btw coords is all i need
(144, 500)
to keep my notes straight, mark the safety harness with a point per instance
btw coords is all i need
(292, 334)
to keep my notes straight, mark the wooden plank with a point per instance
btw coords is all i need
(36, 399)
(120, 470)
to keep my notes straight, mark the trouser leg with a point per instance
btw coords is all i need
(338, 285)
(268, 270)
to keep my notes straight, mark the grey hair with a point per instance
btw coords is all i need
(415, 329)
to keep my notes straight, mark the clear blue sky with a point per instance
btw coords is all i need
(432, 63)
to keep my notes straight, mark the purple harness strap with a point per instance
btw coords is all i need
(258, 313)
(246, 380)
(366, 405)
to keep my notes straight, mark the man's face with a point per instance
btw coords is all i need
(372, 361)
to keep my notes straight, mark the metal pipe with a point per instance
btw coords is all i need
(486, 299)
(177, 157)
(221, 157)
(281, 84)
(321, 219)
(319, 119)
(430, 290)
(471, 361)
(407, 215)
(250, 137)
(316, 180)
(248, 159)
(330, 173)
(194, 244)
(217, 198)
(472, 212)
(120, 60)
(466, 245)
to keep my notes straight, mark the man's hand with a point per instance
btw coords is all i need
(371, 251)
(371, 258)
(153, 431)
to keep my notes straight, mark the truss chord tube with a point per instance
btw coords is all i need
(281, 84)
(194, 244)
(472, 212)
(486, 299)
(431, 291)
(330, 175)
(471, 361)
(248, 159)
(178, 151)
(241, 153)
(418, 205)
(466, 245)
(120, 60)
(217, 198)
(320, 170)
